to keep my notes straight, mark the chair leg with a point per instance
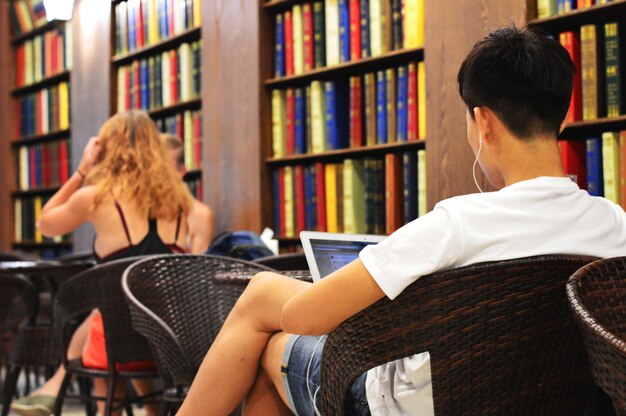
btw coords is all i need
(108, 407)
(84, 389)
(58, 405)
(13, 375)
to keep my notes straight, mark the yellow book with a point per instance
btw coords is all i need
(28, 62)
(298, 42)
(166, 84)
(289, 202)
(64, 106)
(37, 74)
(45, 120)
(546, 8)
(391, 105)
(18, 220)
(610, 166)
(153, 25)
(589, 69)
(414, 18)
(121, 88)
(353, 197)
(278, 123)
(197, 13)
(421, 99)
(330, 173)
(23, 155)
(376, 35)
(370, 108)
(318, 117)
(332, 32)
(422, 207)
(188, 141)
(185, 74)
(38, 235)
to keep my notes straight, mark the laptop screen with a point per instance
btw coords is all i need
(331, 255)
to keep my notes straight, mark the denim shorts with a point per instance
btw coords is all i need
(300, 353)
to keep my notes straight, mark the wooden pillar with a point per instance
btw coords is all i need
(451, 28)
(90, 84)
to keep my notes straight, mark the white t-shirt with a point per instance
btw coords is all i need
(545, 215)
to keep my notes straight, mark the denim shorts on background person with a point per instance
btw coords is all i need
(296, 358)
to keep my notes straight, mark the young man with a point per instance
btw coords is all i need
(516, 85)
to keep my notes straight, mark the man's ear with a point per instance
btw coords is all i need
(483, 122)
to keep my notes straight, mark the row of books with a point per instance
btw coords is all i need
(376, 108)
(372, 195)
(43, 165)
(27, 214)
(323, 33)
(44, 56)
(140, 23)
(187, 126)
(547, 8)
(598, 164)
(598, 54)
(162, 80)
(195, 187)
(27, 15)
(44, 111)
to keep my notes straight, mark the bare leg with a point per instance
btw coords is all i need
(143, 387)
(230, 367)
(100, 390)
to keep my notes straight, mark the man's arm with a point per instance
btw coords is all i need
(324, 305)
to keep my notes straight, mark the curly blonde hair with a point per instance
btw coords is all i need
(132, 162)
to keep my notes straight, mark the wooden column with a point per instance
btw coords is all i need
(90, 84)
(7, 130)
(451, 28)
(231, 81)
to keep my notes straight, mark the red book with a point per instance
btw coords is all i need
(179, 125)
(39, 114)
(355, 30)
(64, 168)
(412, 119)
(281, 199)
(356, 112)
(170, 9)
(128, 89)
(32, 167)
(54, 54)
(20, 65)
(45, 165)
(307, 36)
(300, 221)
(290, 110)
(288, 44)
(320, 190)
(137, 86)
(197, 139)
(139, 30)
(574, 157)
(581, 4)
(571, 42)
(173, 75)
(622, 167)
(393, 192)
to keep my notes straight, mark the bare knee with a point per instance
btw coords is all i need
(259, 291)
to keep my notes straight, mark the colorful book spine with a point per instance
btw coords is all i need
(356, 112)
(571, 42)
(299, 200)
(320, 191)
(330, 173)
(422, 206)
(344, 31)
(614, 58)
(546, 8)
(610, 166)
(365, 28)
(355, 30)
(319, 34)
(370, 108)
(413, 23)
(332, 32)
(279, 47)
(289, 202)
(278, 124)
(381, 108)
(298, 43)
(573, 155)
(300, 121)
(337, 115)
(318, 117)
(353, 197)
(401, 105)
(307, 37)
(289, 58)
(410, 187)
(290, 107)
(393, 193)
(622, 168)
(595, 181)
(589, 63)
(421, 99)
(391, 91)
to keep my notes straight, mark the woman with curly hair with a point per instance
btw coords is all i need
(127, 187)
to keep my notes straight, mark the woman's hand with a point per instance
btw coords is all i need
(90, 155)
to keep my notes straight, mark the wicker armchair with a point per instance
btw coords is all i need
(100, 287)
(500, 337)
(597, 296)
(180, 302)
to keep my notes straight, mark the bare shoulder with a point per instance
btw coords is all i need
(84, 196)
(200, 212)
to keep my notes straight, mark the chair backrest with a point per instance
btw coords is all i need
(284, 262)
(100, 287)
(15, 285)
(180, 302)
(10, 256)
(597, 296)
(500, 337)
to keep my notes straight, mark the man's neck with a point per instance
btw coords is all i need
(527, 159)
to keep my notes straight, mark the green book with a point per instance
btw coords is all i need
(353, 197)
(319, 34)
(613, 62)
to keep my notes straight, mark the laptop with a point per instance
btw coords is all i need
(327, 252)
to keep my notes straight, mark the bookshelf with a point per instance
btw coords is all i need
(41, 134)
(156, 67)
(594, 138)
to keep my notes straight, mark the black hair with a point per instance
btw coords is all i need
(524, 76)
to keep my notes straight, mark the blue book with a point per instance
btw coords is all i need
(381, 107)
(38, 166)
(164, 20)
(344, 31)
(595, 178)
(564, 6)
(276, 202)
(365, 28)
(409, 184)
(132, 26)
(158, 81)
(401, 105)
(143, 84)
(337, 115)
(279, 47)
(300, 121)
(313, 216)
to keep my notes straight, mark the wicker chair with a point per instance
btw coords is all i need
(180, 302)
(500, 337)
(597, 296)
(100, 287)
(284, 262)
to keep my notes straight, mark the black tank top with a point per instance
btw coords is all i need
(150, 244)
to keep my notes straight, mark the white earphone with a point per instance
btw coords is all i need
(480, 147)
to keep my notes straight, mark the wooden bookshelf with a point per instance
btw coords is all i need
(161, 112)
(35, 32)
(46, 82)
(35, 192)
(598, 13)
(280, 5)
(189, 35)
(389, 59)
(587, 128)
(341, 154)
(40, 138)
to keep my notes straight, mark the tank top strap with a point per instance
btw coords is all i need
(152, 225)
(119, 210)
(177, 226)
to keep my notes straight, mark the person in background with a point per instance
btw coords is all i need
(128, 189)
(516, 85)
(174, 146)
